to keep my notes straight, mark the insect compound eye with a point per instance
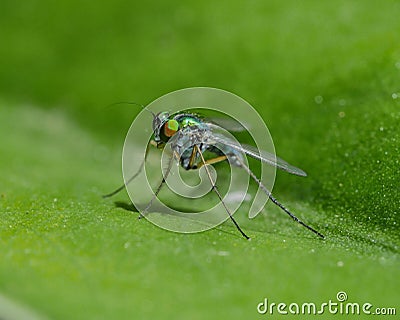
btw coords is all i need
(171, 127)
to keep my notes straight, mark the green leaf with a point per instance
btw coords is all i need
(323, 75)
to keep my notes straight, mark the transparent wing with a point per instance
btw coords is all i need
(272, 159)
(227, 123)
(219, 136)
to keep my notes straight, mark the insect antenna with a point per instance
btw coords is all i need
(275, 201)
(133, 103)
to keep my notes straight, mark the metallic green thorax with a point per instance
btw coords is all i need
(189, 121)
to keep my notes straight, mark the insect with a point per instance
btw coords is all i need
(189, 136)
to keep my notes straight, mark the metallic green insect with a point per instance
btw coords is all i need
(191, 135)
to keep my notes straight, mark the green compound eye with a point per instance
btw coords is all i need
(171, 127)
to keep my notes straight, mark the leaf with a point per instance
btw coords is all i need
(314, 71)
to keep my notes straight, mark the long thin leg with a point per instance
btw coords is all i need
(165, 176)
(131, 178)
(211, 161)
(192, 158)
(218, 194)
(274, 200)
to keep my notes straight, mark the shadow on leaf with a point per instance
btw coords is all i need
(126, 206)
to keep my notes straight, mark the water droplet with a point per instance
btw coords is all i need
(342, 114)
(342, 102)
(318, 99)
(395, 95)
(340, 264)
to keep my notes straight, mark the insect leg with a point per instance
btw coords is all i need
(192, 157)
(165, 176)
(218, 194)
(274, 200)
(131, 178)
(212, 161)
(192, 164)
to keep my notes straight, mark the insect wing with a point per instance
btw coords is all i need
(272, 159)
(219, 136)
(228, 124)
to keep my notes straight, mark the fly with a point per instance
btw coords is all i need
(190, 136)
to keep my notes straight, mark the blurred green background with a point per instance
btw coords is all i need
(323, 75)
